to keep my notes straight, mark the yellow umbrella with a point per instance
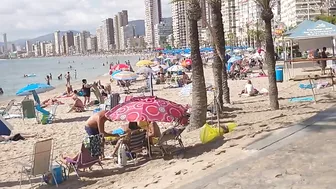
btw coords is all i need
(144, 63)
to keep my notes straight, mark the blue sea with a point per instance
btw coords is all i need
(87, 67)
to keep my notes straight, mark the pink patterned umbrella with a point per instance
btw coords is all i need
(120, 67)
(148, 108)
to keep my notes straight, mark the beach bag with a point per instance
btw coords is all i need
(209, 133)
(44, 119)
(61, 174)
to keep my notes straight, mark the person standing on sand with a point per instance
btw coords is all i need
(323, 62)
(96, 125)
(67, 77)
(48, 80)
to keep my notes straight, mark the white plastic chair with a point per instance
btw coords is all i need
(40, 163)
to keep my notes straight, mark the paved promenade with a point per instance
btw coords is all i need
(301, 157)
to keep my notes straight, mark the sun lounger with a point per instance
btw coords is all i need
(40, 163)
(6, 110)
(82, 161)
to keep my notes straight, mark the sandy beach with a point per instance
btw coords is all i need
(252, 115)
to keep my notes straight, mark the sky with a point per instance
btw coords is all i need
(22, 19)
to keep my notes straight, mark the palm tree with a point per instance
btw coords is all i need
(199, 96)
(267, 16)
(219, 66)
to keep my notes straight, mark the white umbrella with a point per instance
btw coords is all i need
(157, 69)
(144, 70)
(175, 68)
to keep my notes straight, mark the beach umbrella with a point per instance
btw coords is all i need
(120, 67)
(125, 75)
(144, 70)
(250, 49)
(175, 68)
(188, 62)
(115, 72)
(144, 63)
(148, 108)
(234, 59)
(157, 69)
(38, 87)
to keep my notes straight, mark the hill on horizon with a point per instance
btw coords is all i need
(139, 31)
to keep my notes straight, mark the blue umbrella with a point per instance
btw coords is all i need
(234, 59)
(38, 87)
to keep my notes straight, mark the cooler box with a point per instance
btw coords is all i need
(279, 73)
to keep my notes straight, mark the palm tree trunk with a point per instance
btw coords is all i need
(220, 41)
(199, 96)
(270, 61)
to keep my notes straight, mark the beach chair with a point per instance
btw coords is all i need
(82, 161)
(40, 163)
(171, 134)
(52, 115)
(135, 144)
(5, 111)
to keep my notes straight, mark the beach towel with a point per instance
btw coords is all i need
(301, 99)
(95, 146)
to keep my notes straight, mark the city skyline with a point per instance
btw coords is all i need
(36, 17)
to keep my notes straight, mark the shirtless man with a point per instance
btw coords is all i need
(96, 125)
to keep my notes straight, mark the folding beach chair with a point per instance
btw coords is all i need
(52, 115)
(173, 135)
(135, 144)
(40, 163)
(6, 110)
(82, 161)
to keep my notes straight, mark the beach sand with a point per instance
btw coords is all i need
(252, 115)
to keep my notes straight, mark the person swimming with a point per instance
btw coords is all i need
(1, 91)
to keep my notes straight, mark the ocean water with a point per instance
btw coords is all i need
(88, 67)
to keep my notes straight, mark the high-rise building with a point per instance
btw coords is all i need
(153, 16)
(92, 44)
(180, 24)
(5, 43)
(108, 34)
(99, 34)
(116, 32)
(13, 48)
(161, 33)
(295, 11)
(126, 32)
(57, 42)
(28, 47)
(120, 19)
(229, 10)
(50, 49)
(37, 49)
(77, 43)
(69, 42)
(83, 36)
(43, 49)
(63, 45)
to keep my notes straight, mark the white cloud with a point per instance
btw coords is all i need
(31, 18)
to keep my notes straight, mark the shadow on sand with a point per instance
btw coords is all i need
(69, 120)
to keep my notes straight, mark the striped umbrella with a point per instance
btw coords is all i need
(125, 75)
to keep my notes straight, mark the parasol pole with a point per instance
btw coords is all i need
(151, 84)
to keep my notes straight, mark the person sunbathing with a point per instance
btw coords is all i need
(119, 134)
(77, 106)
(152, 130)
(249, 90)
(185, 78)
(51, 101)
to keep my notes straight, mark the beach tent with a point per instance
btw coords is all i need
(5, 127)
